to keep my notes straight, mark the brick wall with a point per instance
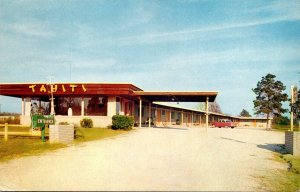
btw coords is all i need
(61, 133)
(292, 142)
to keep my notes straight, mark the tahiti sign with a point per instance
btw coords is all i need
(64, 88)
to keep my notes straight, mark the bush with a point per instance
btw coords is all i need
(86, 123)
(122, 122)
(281, 120)
(10, 120)
(63, 123)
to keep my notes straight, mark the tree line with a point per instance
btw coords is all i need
(268, 102)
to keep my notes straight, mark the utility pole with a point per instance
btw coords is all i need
(292, 112)
(52, 112)
(293, 100)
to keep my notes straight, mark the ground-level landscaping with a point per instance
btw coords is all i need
(282, 180)
(18, 146)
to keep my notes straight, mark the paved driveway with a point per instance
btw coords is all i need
(152, 159)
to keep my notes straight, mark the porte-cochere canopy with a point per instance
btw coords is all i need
(22, 90)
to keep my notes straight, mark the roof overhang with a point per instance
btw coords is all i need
(66, 89)
(177, 96)
(85, 89)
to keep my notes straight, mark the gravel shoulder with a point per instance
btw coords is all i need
(152, 159)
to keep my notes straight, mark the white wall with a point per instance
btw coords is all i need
(111, 106)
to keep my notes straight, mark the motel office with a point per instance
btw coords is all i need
(99, 101)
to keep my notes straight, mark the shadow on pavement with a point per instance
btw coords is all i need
(170, 128)
(278, 148)
(233, 140)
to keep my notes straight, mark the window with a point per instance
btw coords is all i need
(172, 115)
(62, 104)
(40, 107)
(179, 115)
(95, 106)
(163, 112)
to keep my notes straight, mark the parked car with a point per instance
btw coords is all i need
(225, 123)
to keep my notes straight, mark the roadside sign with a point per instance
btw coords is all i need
(49, 119)
(37, 121)
(40, 121)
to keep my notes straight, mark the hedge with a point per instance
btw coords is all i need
(86, 123)
(122, 122)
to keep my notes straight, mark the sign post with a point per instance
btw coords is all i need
(293, 100)
(41, 122)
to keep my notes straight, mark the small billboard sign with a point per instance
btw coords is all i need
(39, 121)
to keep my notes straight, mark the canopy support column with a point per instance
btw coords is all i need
(206, 111)
(23, 107)
(140, 114)
(82, 106)
(149, 114)
(192, 119)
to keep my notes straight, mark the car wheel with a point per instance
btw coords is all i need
(232, 127)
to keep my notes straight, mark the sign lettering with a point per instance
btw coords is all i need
(54, 88)
(41, 120)
(32, 88)
(44, 88)
(73, 86)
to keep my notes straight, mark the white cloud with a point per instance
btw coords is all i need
(185, 34)
(29, 27)
(288, 10)
(277, 12)
(139, 14)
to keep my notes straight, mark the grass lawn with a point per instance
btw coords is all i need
(283, 180)
(278, 127)
(21, 146)
(16, 128)
(91, 134)
(18, 147)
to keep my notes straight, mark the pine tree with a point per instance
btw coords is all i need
(269, 97)
(245, 113)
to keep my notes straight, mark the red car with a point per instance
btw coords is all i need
(224, 123)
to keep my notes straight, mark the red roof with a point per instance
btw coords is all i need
(86, 89)
(66, 89)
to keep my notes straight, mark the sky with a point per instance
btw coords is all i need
(168, 45)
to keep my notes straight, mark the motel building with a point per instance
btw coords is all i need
(70, 102)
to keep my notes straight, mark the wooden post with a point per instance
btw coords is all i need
(170, 117)
(6, 132)
(292, 113)
(206, 111)
(140, 116)
(149, 120)
(200, 120)
(192, 119)
(182, 118)
(82, 106)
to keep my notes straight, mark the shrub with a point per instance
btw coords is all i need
(122, 122)
(86, 123)
(63, 123)
(10, 120)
